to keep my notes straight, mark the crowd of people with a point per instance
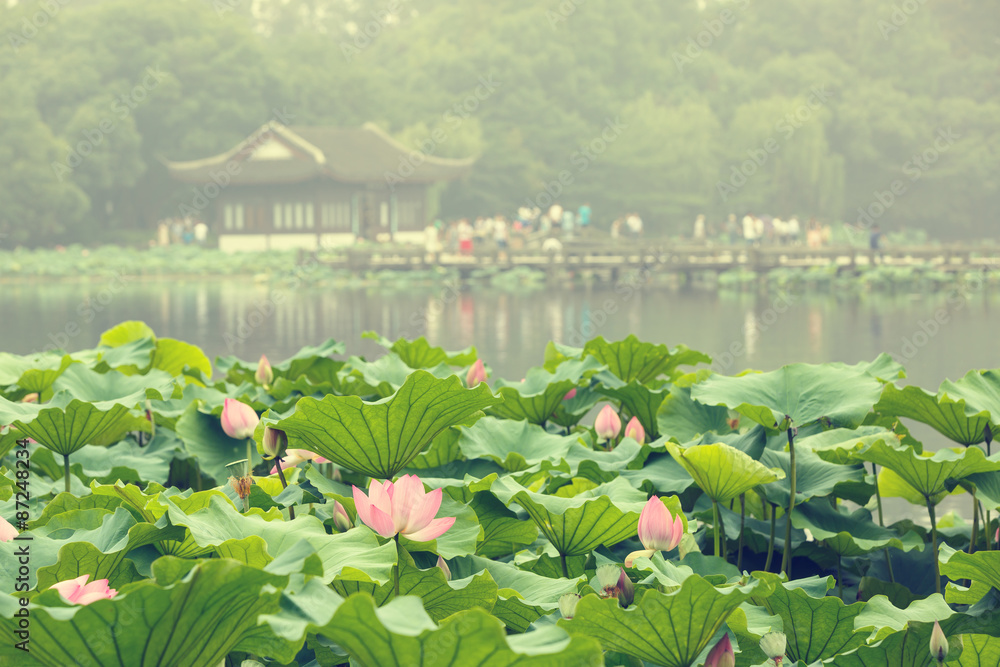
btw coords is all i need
(762, 229)
(181, 230)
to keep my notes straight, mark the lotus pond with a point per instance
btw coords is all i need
(622, 504)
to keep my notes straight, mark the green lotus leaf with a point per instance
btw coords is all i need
(849, 534)
(601, 466)
(683, 418)
(981, 392)
(928, 474)
(817, 628)
(802, 393)
(978, 651)
(66, 502)
(982, 566)
(721, 471)
(130, 390)
(515, 445)
(503, 532)
(985, 484)
(204, 439)
(906, 648)
(838, 445)
(631, 359)
(541, 392)
(660, 473)
(65, 424)
(32, 372)
(663, 629)
(401, 633)
(883, 367)
(814, 477)
(883, 618)
(126, 332)
(604, 515)
(380, 439)
(421, 354)
(227, 531)
(944, 414)
(132, 357)
(173, 356)
(386, 374)
(891, 485)
(636, 399)
(79, 558)
(443, 450)
(460, 539)
(569, 412)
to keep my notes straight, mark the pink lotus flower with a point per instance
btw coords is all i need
(658, 531)
(30, 398)
(476, 374)
(721, 654)
(264, 374)
(570, 395)
(238, 419)
(608, 424)
(341, 519)
(635, 430)
(443, 566)
(273, 442)
(78, 591)
(403, 508)
(7, 531)
(293, 457)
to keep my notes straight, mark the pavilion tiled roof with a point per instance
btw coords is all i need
(363, 154)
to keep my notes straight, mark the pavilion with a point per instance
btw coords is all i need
(311, 187)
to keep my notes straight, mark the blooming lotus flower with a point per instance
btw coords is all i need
(293, 457)
(402, 508)
(476, 374)
(733, 423)
(264, 374)
(615, 583)
(635, 430)
(78, 591)
(7, 531)
(939, 644)
(238, 419)
(341, 519)
(773, 646)
(570, 395)
(443, 566)
(273, 442)
(658, 531)
(607, 424)
(567, 605)
(30, 398)
(721, 654)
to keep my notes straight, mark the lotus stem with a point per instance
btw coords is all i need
(395, 568)
(565, 568)
(934, 544)
(250, 456)
(786, 553)
(770, 543)
(840, 578)
(66, 471)
(743, 516)
(989, 527)
(719, 532)
(878, 496)
(975, 522)
(284, 485)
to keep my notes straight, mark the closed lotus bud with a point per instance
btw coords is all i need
(635, 430)
(443, 565)
(30, 398)
(476, 374)
(273, 443)
(626, 591)
(264, 374)
(238, 419)
(939, 644)
(721, 654)
(773, 646)
(567, 605)
(341, 520)
(608, 424)
(570, 395)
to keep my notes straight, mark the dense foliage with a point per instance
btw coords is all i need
(639, 105)
(420, 513)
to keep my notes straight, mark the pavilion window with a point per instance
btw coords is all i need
(228, 216)
(310, 216)
(289, 218)
(299, 218)
(277, 216)
(238, 216)
(336, 216)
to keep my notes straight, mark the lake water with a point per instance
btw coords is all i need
(936, 336)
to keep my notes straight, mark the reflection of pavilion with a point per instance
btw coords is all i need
(309, 187)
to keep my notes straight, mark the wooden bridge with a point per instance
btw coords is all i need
(660, 255)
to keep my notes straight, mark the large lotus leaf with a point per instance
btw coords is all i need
(540, 393)
(173, 356)
(604, 515)
(194, 621)
(204, 439)
(524, 596)
(387, 373)
(631, 359)
(928, 474)
(817, 628)
(134, 356)
(982, 566)
(131, 390)
(660, 473)
(942, 413)
(883, 618)
(838, 445)
(443, 450)
(978, 651)
(515, 445)
(986, 484)
(980, 390)
(601, 466)
(41, 379)
(65, 424)
(803, 393)
(814, 477)
(636, 399)
(721, 471)
(401, 633)
(126, 332)
(570, 411)
(79, 558)
(683, 418)
(503, 532)
(66, 502)
(907, 648)
(380, 439)
(883, 367)
(421, 354)
(32, 372)
(663, 629)
(126, 461)
(891, 485)
(241, 537)
(849, 534)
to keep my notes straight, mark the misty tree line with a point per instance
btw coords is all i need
(846, 110)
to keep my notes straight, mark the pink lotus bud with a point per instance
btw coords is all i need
(341, 520)
(264, 374)
(7, 531)
(30, 398)
(78, 591)
(635, 430)
(607, 423)
(658, 531)
(939, 644)
(721, 654)
(273, 442)
(570, 395)
(626, 591)
(238, 419)
(476, 374)
(403, 508)
(443, 564)
(293, 457)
